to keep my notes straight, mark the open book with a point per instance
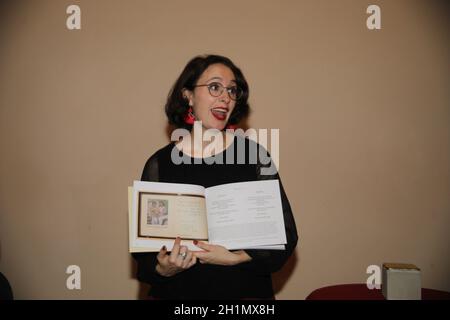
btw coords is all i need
(242, 215)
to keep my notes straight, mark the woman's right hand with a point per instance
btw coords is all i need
(178, 260)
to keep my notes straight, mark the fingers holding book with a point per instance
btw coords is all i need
(179, 259)
(219, 255)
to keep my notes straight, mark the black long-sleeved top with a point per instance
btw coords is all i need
(204, 281)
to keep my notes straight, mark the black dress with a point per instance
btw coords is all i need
(203, 281)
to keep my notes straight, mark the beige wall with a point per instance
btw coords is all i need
(363, 118)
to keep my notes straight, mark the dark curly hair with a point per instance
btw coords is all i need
(177, 106)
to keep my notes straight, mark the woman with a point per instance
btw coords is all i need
(211, 92)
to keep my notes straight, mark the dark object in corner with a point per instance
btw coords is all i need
(5, 289)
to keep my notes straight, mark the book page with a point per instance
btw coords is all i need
(170, 216)
(162, 211)
(245, 214)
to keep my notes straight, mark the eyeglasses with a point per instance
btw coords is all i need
(216, 89)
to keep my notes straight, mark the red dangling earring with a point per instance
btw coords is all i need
(189, 118)
(231, 126)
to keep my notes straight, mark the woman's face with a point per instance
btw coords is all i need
(214, 112)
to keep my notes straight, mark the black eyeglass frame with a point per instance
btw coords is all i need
(238, 96)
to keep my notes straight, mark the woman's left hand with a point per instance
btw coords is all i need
(215, 254)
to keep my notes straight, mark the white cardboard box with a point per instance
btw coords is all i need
(401, 282)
